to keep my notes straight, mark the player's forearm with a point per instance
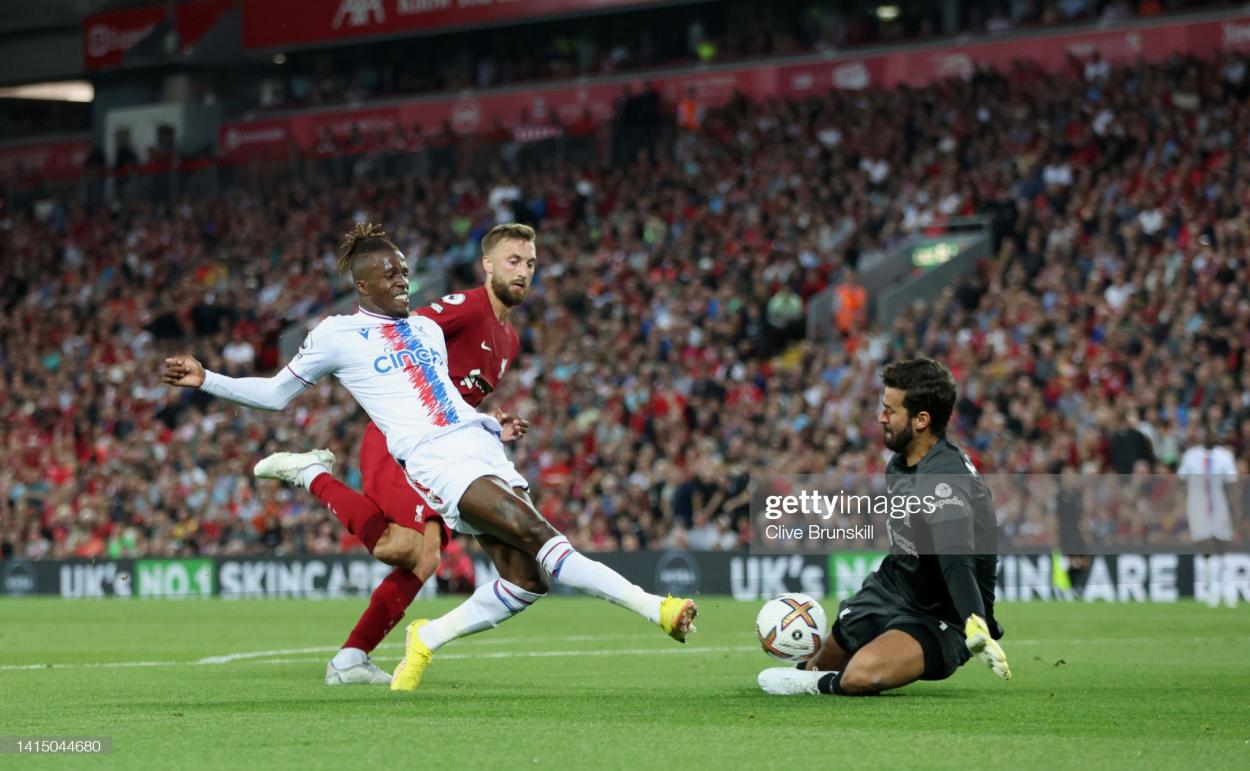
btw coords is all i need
(262, 393)
(961, 584)
(953, 542)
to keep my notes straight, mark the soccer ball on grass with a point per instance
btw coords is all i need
(791, 626)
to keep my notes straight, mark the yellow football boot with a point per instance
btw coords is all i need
(417, 656)
(676, 617)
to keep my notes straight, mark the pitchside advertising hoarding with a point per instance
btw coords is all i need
(174, 578)
(1127, 577)
(312, 577)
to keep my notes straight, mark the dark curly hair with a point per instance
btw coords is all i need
(927, 386)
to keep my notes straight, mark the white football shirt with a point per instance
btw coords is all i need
(397, 371)
(1208, 471)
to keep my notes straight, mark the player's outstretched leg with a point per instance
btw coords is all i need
(351, 665)
(386, 488)
(519, 586)
(491, 506)
(790, 681)
(561, 561)
(890, 661)
(295, 468)
(314, 472)
(415, 558)
(515, 535)
(363, 519)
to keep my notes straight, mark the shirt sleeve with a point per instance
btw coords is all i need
(1228, 466)
(958, 572)
(1187, 467)
(316, 357)
(263, 393)
(451, 312)
(950, 524)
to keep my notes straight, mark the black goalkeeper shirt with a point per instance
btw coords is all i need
(943, 560)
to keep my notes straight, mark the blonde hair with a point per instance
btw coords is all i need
(506, 232)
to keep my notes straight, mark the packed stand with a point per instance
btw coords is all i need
(661, 366)
(645, 39)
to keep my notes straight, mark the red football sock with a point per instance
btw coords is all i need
(386, 608)
(358, 513)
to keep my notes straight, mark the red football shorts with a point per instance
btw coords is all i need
(387, 485)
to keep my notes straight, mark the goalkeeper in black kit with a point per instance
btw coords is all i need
(930, 606)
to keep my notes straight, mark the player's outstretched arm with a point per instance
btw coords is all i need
(263, 393)
(952, 539)
(183, 370)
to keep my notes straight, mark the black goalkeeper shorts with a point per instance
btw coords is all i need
(870, 612)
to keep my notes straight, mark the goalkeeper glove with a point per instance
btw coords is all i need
(983, 646)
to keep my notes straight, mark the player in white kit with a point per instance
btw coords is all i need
(395, 365)
(1208, 470)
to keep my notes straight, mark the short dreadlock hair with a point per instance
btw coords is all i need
(365, 238)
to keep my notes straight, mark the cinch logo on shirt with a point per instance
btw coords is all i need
(412, 357)
(401, 359)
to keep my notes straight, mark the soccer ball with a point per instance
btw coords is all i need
(791, 626)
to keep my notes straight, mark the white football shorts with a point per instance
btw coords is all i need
(444, 467)
(1210, 523)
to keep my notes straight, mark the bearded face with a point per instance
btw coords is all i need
(510, 270)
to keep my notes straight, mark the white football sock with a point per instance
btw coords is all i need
(491, 605)
(563, 563)
(349, 657)
(309, 473)
(1215, 578)
(1230, 581)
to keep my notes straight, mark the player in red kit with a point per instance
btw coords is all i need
(391, 517)
(396, 367)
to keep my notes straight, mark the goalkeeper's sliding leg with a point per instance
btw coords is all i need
(906, 649)
(893, 660)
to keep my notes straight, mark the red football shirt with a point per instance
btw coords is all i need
(480, 347)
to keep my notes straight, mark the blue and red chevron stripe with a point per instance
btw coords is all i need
(421, 374)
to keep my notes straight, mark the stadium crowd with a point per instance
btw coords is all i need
(663, 357)
(650, 38)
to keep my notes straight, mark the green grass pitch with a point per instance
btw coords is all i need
(576, 683)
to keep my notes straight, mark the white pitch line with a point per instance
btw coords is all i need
(557, 654)
(262, 657)
(255, 657)
(1078, 641)
(95, 665)
(230, 657)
